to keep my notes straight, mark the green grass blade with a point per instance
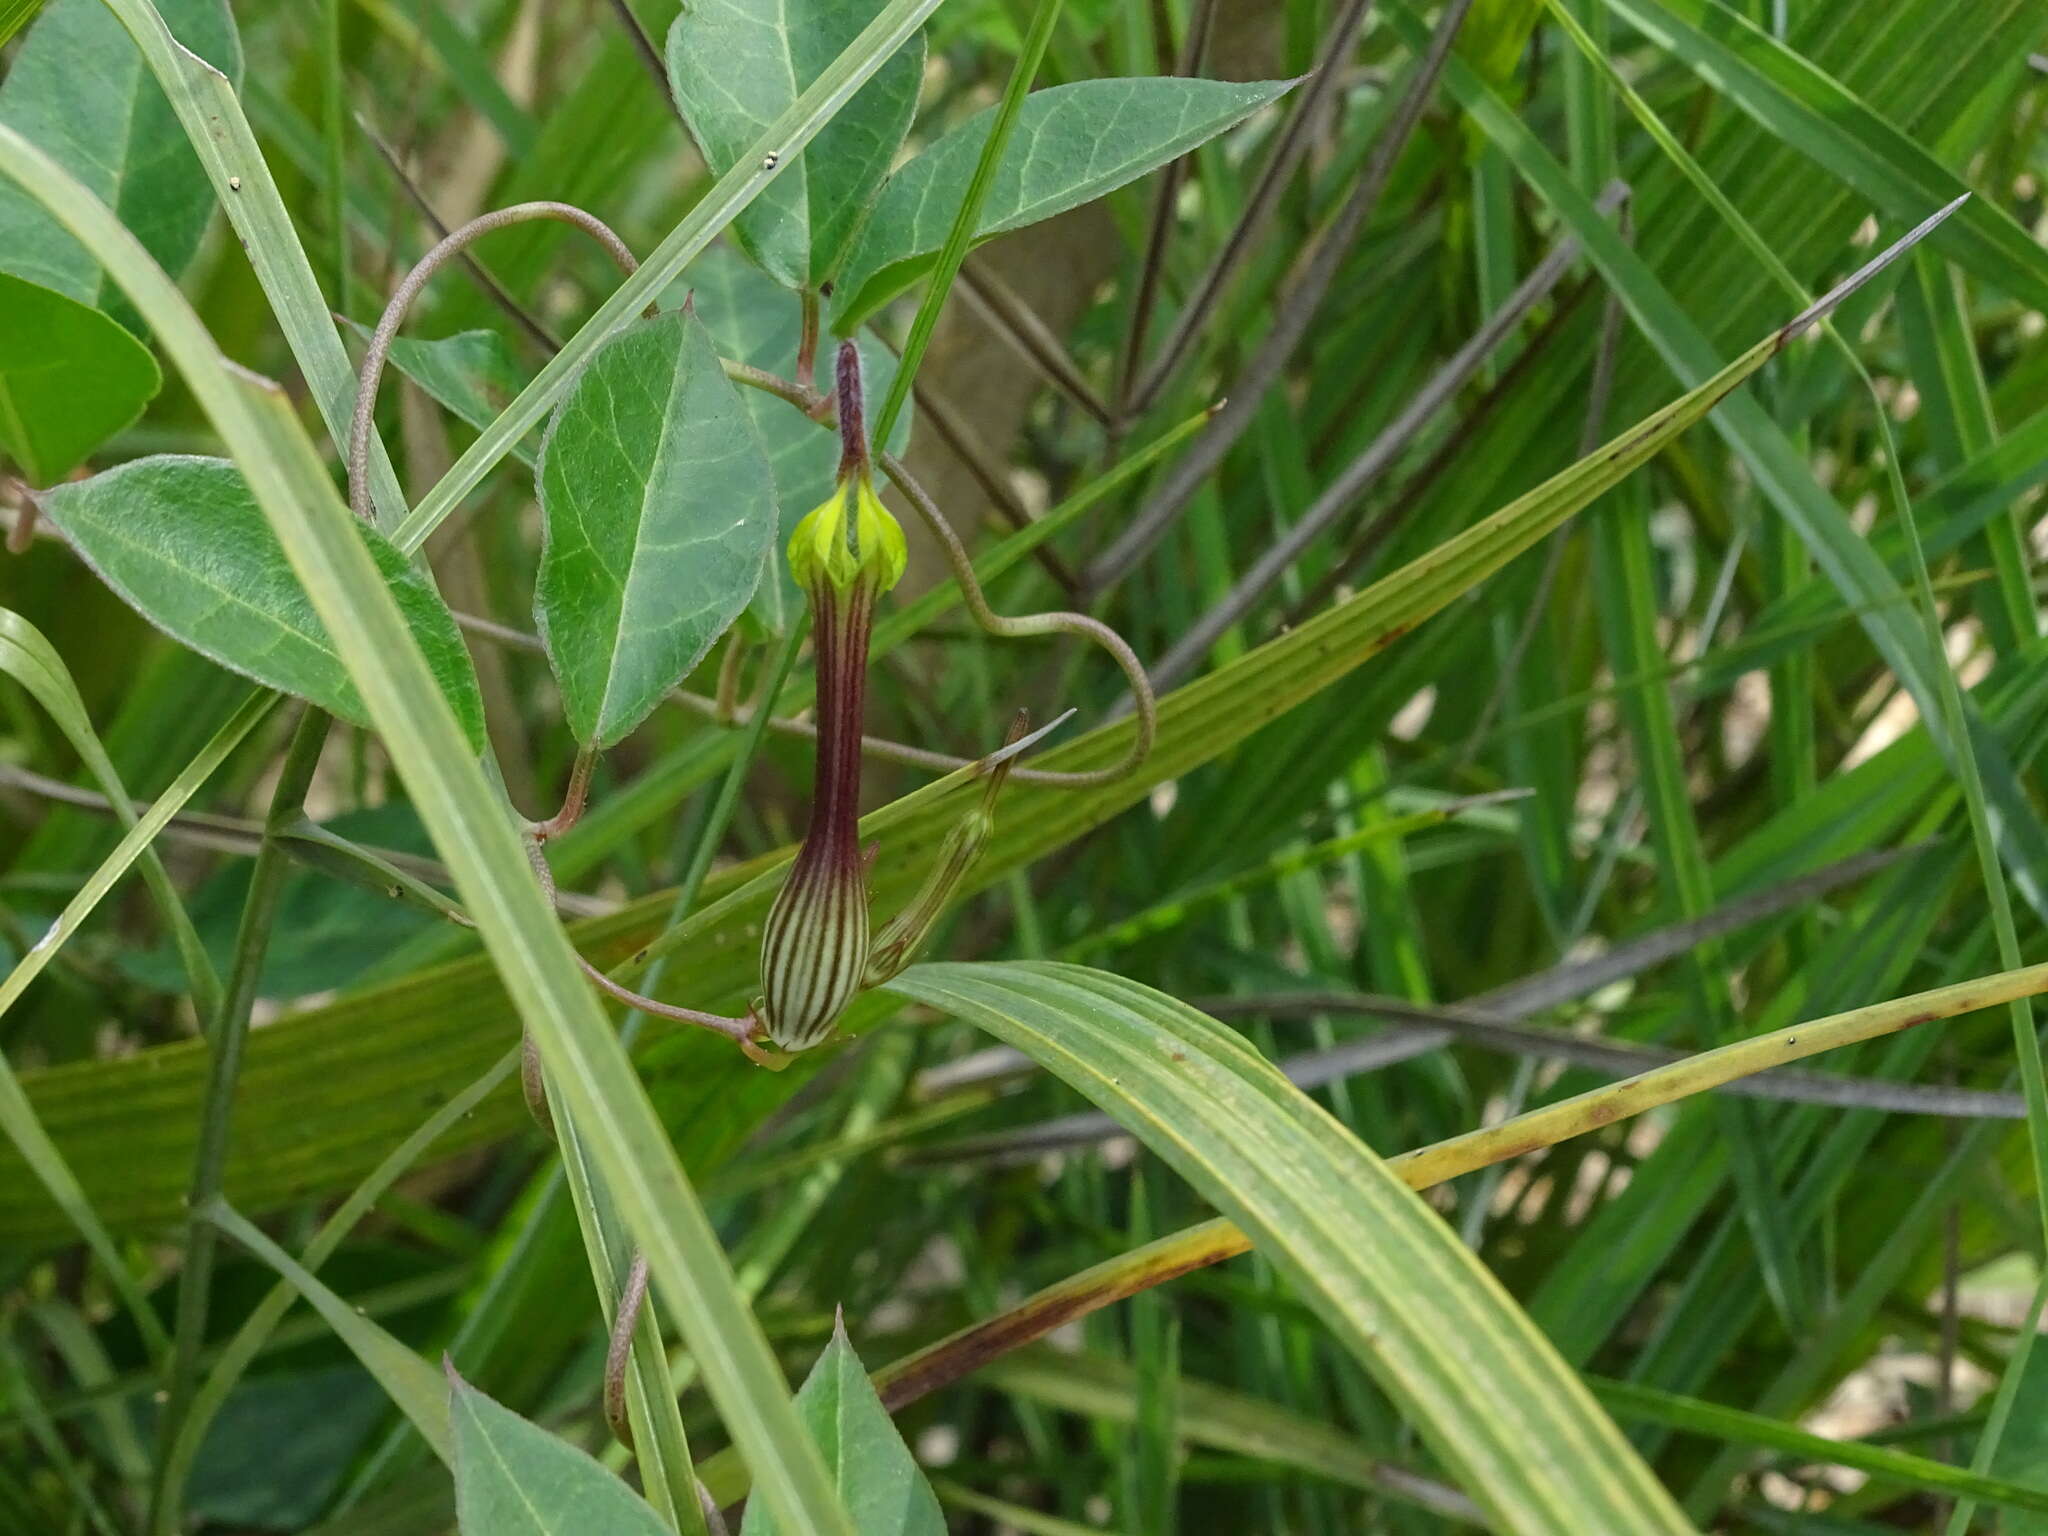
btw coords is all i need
(1798, 103)
(1482, 1386)
(212, 116)
(28, 657)
(1632, 1400)
(415, 1386)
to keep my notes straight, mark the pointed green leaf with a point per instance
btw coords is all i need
(877, 1477)
(70, 378)
(738, 65)
(1485, 1389)
(657, 513)
(184, 544)
(755, 320)
(78, 88)
(513, 1478)
(1072, 144)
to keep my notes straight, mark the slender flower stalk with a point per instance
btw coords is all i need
(901, 938)
(844, 554)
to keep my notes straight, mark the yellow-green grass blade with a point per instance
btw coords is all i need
(1487, 1392)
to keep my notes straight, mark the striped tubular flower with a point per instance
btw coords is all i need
(844, 554)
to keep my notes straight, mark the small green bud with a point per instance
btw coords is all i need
(849, 538)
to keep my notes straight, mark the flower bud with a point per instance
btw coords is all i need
(849, 539)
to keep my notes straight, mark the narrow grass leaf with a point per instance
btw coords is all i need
(412, 1384)
(1486, 1391)
(1632, 1400)
(1797, 102)
(209, 110)
(27, 656)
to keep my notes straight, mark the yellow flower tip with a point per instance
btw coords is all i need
(847, 538)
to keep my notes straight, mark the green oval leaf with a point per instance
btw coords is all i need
(1484, 1387)
(755, 320)
(79, 90)
(1071, 145)
(513, 1478)
(877, 1477)
(657, 513)
(70, 378)
(184, 544)
(738, 65)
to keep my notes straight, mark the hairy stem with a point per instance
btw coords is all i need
(446, 250)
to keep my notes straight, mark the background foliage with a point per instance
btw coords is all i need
(1282, 332)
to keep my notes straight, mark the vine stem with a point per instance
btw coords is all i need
(226, 1041)
(447, 249)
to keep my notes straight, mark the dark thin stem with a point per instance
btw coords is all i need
(741, 1030)
(1289, 146)
(243, 837)
(1389, 445)
(967, 216)
(450, 247)
(225, 1044)
(494, 290)
(648, 54)
(1297, 310)
(574, 798)
(853, 436)
(1018, 324)
(1164, 222)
